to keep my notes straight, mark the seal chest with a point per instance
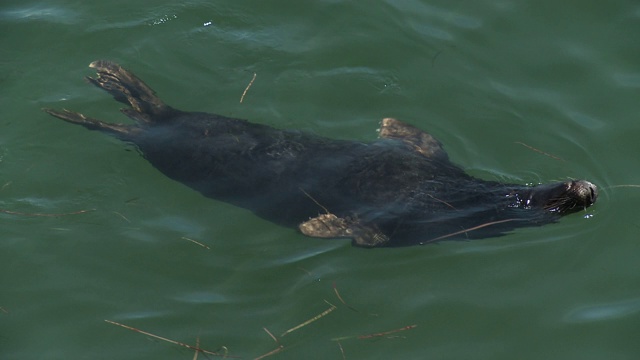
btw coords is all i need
(398, 190)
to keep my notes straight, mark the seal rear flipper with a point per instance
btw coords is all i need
(331, 226)
(417, 139)
(119, 130)
(127, 88)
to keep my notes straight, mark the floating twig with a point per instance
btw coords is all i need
(196, 242)
(195, 355)
(335, 289)
(196, 348)
(247, 88)
(41, 214)
(338, 294)
(470, 229)
(341, 350)
(270, 334)
(540, 151)
(305, 270)
(369, 336)
(3, 310)
(314, 200)
(122, 216)
(322, 314)
(623, 186)
(274, 351)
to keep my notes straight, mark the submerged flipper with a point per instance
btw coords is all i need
(415, 138)
(331, 226)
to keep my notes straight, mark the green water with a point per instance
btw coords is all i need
(484, 77)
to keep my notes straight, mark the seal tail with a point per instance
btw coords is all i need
(146, 107)
(122, 131)
(127, 88)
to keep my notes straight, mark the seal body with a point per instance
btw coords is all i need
(399, 190)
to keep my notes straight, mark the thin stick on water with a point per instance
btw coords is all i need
(314, 200)
(122, 216)
(387, 332)
(335, 289)
(623, 186)
(341, 351)
(274, 351)
(195, 355)
(380, 334)
(196, 242)
(540, 151)
(247, 88)
(196, 348)
(41, 214)
(319, 316)
(470, 229)
(270, 334)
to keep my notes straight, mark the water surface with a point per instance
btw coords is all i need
(484, 78)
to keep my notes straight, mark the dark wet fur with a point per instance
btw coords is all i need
(399, 190)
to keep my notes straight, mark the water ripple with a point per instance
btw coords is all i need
(55, 14)
(203, 297)
(631, 80)
(606, 311)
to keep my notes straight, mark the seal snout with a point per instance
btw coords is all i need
(565, 197)
(586, 191)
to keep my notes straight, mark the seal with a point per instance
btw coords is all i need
(399, 190)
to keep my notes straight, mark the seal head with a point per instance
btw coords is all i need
(562, 198)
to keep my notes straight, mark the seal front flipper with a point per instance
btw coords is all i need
(415, 138)
(331, 226)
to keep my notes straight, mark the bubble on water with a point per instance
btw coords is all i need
(164, 19)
